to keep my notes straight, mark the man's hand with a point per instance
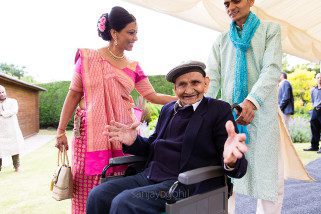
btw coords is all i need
(121, 132)
(247, 114)
(234, 147)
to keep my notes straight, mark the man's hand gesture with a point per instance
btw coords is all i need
(247, 114)
(234, 147)
(122, 133)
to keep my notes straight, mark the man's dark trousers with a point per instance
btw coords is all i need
(315, 123)
(132, 194)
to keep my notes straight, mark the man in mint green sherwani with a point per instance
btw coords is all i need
(245, 63)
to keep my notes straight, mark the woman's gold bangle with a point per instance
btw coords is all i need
(60, 135)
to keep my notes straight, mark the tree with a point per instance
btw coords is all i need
(312, 67)
(285, 63)
(17, 71)
(12, 70)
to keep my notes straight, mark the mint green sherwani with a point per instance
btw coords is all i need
(264, 61)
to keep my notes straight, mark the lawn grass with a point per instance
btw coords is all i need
(28, 191)
(306, 157)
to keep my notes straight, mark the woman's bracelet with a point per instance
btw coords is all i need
(60, 135)
(61, 129)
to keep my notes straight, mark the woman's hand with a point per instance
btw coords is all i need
(61, 140)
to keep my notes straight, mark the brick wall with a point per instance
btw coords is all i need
(28, 101)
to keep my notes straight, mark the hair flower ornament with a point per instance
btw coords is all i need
(101, 24)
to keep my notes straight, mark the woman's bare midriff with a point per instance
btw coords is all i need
(82, 104)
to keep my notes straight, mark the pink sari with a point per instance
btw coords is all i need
(107, 96)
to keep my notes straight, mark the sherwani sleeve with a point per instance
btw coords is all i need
(213, 69)
(271, 67)
(11, 109)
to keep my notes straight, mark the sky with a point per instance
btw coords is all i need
(43, 36)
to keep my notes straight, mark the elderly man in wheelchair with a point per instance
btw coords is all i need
(191, 133)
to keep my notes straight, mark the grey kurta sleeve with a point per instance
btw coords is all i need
(271, 67)
(213, 69)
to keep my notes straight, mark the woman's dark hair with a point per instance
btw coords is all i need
(117, 19)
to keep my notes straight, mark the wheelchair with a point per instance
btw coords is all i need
(211, 202)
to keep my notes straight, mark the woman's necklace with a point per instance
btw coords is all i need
(114, 56)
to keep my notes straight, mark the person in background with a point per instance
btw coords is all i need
(101, 87)
(286, 99)
(245, 64)
(315, 121)
(10, 133)
(193, 132)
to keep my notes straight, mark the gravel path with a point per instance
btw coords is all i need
(300, 197)
(30, 144)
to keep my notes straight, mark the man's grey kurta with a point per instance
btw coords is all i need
(264, 61)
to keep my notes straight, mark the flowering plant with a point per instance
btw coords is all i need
(101, 24)
(299, 128)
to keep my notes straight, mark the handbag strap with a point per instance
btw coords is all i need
(63, 157)
(66, 156)
(59, 158)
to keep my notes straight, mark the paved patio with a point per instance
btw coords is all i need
(30, 144)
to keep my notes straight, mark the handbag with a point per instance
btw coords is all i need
(61, 183)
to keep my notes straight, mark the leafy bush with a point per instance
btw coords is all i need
(302, 109)
(151, 112)
(161, 85)
(300, 129)
(302, 81)
(152, 124)
(150, 118)
(51, 103)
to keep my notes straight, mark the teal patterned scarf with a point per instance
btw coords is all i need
(242, 43)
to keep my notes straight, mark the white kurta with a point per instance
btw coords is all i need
(10, 133)
(264, 60)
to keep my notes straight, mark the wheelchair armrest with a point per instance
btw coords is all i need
(126, 160)
(200, 174)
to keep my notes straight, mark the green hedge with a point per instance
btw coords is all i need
(51, 103)
(52, 100)
(160, 85)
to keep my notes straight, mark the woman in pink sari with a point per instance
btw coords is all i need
(100, 92)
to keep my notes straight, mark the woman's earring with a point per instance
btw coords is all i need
(115, 42)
